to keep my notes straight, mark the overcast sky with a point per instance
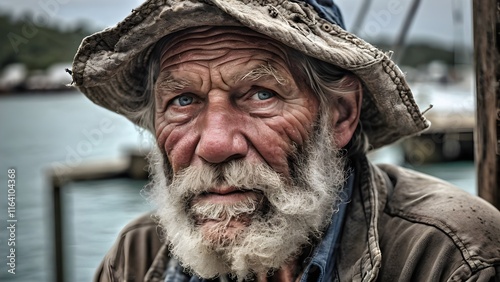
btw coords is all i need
(433, 22)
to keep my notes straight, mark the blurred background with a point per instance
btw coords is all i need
(46, 127)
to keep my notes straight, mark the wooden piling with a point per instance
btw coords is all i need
(486, 17)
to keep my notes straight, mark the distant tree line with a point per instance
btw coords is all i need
(35, 46)
(421, 53)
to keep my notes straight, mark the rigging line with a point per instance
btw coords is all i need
(399, 44)
(360, 18)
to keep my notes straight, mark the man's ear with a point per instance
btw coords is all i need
(346, 115)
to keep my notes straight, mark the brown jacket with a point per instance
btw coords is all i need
(400, 226)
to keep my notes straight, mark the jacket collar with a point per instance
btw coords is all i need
(359, 258)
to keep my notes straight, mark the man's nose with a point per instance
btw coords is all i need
(222, 137)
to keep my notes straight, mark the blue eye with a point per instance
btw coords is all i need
(183, 100)
(264, 95)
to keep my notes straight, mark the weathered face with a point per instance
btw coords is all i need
(230, 120)
(224, 95)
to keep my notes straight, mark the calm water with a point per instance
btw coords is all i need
(36, 131)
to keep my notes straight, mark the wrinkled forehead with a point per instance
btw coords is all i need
(202, 40)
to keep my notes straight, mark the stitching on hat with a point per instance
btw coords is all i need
(273, 12)
(403, 91)
(300, 18)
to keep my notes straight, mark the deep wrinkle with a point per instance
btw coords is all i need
(278, 120)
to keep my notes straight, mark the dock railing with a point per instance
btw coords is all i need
(134, 167)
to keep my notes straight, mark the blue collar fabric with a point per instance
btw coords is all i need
(328, 11)
(323, 259)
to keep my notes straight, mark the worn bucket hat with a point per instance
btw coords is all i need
(110, 67)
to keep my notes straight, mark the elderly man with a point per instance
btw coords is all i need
(263, 112)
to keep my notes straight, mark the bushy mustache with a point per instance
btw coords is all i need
(278, 192)
(192, 181)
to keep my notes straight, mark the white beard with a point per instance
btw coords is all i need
(289, 214)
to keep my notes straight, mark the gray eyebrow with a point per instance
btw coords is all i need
(169, 83)
(262, 71)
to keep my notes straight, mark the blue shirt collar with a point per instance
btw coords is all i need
(323, 258)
